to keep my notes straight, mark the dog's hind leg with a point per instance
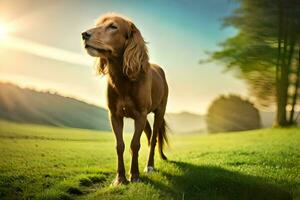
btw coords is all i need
(148, 131)
(158, 122)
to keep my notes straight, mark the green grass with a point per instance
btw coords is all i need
(39, 162)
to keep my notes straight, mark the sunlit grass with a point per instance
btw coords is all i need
(61, 163)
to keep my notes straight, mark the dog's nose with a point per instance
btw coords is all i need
(86, 35)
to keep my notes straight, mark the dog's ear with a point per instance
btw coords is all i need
(135, 58)
(101, 66)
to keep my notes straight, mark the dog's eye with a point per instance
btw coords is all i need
(112, 26)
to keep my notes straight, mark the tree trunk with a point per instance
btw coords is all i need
(278, 63)
(283, 79)
(295, 96)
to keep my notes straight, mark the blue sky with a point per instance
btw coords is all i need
(178, 35)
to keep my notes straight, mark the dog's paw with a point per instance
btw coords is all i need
(119, 181)
(134, 178)
(149, 169)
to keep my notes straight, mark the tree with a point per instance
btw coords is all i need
(232, 113)
(263, 52)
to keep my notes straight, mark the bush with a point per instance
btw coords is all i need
(232, 113)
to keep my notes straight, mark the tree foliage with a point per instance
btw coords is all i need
(264, 52)
(232, 113)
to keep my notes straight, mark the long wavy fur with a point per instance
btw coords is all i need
(135, 57)
(101, 66)
(162, 139)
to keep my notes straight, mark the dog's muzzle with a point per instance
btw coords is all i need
(86, 35)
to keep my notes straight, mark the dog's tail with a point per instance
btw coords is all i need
(162, 139)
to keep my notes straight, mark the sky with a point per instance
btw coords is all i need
(42, 47)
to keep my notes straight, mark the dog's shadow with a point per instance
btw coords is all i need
(207, 182)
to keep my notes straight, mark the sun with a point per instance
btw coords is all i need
(3, 31)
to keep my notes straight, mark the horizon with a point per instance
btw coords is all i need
(54, 92)
(53, 58)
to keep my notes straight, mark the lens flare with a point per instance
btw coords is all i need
(3, 31)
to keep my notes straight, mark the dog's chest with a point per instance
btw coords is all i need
(126, 107)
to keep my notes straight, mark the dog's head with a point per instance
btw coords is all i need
(115, 37)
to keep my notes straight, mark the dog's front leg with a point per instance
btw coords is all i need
(117, 125)
(139, 125)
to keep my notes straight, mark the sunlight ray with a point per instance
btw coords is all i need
(45, 51)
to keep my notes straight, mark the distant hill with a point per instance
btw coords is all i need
(182, 123)
(186, 122)
(30, 106)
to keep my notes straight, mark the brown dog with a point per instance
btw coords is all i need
(135, 87)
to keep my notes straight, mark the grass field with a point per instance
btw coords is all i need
(39, 162)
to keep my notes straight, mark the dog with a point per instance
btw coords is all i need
(135, 88)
